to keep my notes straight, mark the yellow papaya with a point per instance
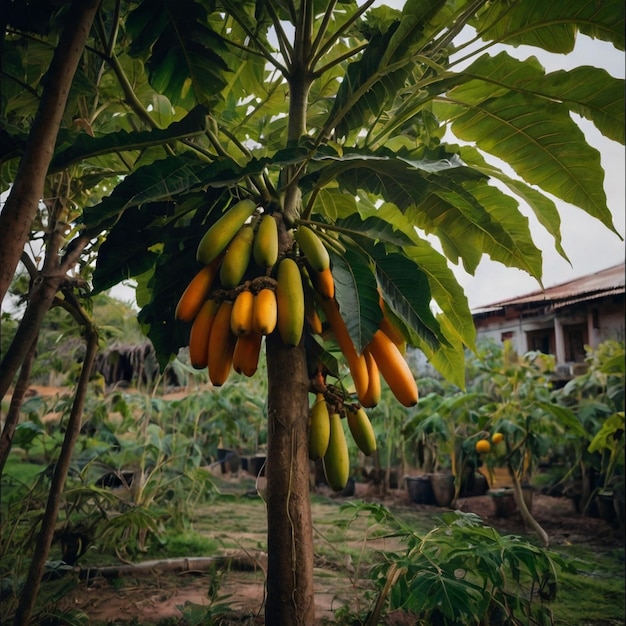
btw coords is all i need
(221, 345)
(312, 248)
(361, 429)
(200, 333)
(336, 461)
(394, 369)
(319, 428)
(237, 257)
(219, 235)
(246, 354)
(241, 316)
(264, 314)
(356, 362)
(194, 295)
(290, 302)
(265, 247)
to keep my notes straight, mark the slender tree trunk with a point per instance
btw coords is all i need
(10, 423)
(45, 287)
(46, 533)
(40, 300)
(527, 517)
(290, 594)
(27, 190)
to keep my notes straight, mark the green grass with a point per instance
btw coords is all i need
(595, 593)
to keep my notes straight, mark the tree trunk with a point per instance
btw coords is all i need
(526, 515)
(27, 190)
(61, 469)
(290, 595)
(11, 421)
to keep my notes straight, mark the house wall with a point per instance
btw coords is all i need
(563, 332)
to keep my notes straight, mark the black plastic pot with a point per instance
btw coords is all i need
(419, 489)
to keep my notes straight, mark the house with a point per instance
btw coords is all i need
(560, 320)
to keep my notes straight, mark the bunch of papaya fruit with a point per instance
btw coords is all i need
(259, 277)
(327, 438)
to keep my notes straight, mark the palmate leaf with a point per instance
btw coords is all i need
(543, 207)
(406, 290)
(444, 288)
(84, 146)
(375, 78)
(166, 179)
(357, 296)
(396, 178)
(551, 25)
(478, 219)
(141, 232)
(588, 91)
(539, 140)
(186, 61)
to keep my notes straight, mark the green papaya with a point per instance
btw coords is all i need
(265, 249)
(237, 257)
(289, 302)
(312, 248)
(219, 235)
(361, 429)
(336, 461)
(319, 428)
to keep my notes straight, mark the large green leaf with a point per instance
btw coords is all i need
(552, 25)
(86, 147)
(481, 220)
(539, 140)
(400, 179)
(357, 296)
(405, 288)
(589, 91)
(135, 242)
(543, 207)
(186, 61)
(164, 180)
(375, 79)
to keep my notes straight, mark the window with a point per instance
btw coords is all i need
(575, 339)
(541, 340)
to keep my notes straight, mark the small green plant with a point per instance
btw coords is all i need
(461, 572)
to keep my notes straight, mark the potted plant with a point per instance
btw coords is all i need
(445, 426)
(597, 400)
(520, 407)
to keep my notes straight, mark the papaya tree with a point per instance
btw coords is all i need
(364, 131)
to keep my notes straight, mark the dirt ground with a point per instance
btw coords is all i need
(150, 599)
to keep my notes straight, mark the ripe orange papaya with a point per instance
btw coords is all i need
(241, 317)
(200, 332)
(264, 314)
(394, 369)
(246, 354)
(356, 362)
(196, 291)
(326, 283)
(372, 396)
(221, 345)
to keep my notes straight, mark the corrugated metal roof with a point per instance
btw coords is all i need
(605, 282)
